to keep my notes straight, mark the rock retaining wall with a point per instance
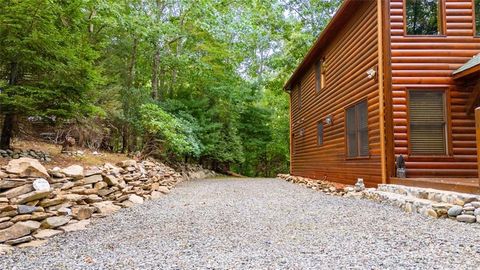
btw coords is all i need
(36, 154)
(426, 201)
(36, 203)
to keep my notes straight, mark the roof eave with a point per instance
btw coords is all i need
(340, 18)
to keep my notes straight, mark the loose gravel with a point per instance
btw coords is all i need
(258, 224)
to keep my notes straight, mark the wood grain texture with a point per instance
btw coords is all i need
(348, 57)
(423, 62)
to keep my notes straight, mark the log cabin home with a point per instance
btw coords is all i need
(391, 78)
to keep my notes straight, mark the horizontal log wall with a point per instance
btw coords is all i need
(428, 62)
(348, 57)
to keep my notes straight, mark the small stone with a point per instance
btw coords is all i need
(83, 212)
(106, 207)
(156, 195)
(135, 199)
(21, 218)
(111, 180)
(6, 224)
(34, 243)
(100, 185)
(455, 211)
(20, 240)
(469, 208)
(46, 233)
(476, 212)
(164, 190)
(5, 249)
(26, 209)
(11, 213)
(32, 196)
(51, 202)
(127, 163)
(74, 171)
(41, 184)
(78, 226)
(466, 218)
(40, 216)
(64, 211)
(476, 204)
(33, 225)
(53, 222)
(93, 179)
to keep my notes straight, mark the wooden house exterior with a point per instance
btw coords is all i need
(383, 81)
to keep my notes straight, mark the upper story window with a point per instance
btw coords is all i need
(428, 124)
(477, 17)
(423, 17)
(319, 75)
(357, 130)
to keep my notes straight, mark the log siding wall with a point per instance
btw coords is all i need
(427, 62)
(347, 59)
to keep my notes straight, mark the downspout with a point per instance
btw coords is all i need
(381, 89)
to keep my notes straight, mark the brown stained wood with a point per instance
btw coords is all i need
(477, 127)
(427, 62)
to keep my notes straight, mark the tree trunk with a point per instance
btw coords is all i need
(7, 131)
(155, 79)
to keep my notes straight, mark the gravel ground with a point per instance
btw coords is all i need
(258, 224)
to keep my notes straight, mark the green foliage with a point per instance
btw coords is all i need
(197, 79)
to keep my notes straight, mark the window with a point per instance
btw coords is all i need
(319, 75)
(423, 17)
(427, 122)
(357, 130)
(477, 17)
(320, 133)
(299, 89)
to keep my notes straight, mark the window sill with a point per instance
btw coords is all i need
(358, 158)
(425, 36)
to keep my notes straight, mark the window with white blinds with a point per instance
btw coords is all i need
(357, 130)
(428, 134)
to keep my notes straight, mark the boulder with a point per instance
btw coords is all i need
(54, 222)
(41, 184)
(27, 167)
(74, 171)
(16, 231)
(46, 233)
(32, 196)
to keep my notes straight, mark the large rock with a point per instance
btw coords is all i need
(74, 171)
(33, 225)
(54, 222)
(32, 196)
(27, 167)
(41, 184)
(14, 192)
(16, 231)
(106, 207)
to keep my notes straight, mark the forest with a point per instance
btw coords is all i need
(180, 80)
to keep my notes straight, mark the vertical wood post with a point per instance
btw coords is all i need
(477, 127)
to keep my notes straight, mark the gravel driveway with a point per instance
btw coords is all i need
(258, 224)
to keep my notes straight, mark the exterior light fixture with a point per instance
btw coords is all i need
(329, 120)
(371, 73)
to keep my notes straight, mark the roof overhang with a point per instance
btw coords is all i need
(470, 69)
(341, 17)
